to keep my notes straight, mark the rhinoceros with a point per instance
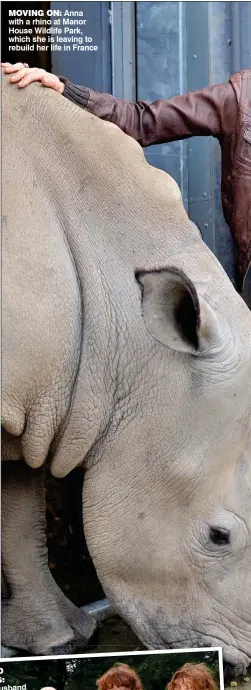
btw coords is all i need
(126, 350)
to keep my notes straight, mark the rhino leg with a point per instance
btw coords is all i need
(37, 616)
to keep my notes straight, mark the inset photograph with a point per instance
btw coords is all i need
(169, 670)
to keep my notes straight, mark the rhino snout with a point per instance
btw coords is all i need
(235, 664)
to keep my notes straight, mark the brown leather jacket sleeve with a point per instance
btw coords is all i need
(212, 110)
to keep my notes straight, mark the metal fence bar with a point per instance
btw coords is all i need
(123, 41)
(200, 174)
(245, 35)
(236, 36)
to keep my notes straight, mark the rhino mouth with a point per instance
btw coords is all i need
(236, 661)
(233, 672)
(156, 632)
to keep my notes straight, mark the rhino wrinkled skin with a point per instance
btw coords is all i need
(126, 348)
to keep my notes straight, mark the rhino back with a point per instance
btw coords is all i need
(85, 211)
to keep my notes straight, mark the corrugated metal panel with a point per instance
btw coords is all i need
(123, 40)
(186, 46)
(200, 187)
(155, 50)
(90, 69)
(161, 73)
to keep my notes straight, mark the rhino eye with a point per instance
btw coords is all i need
(219, 535)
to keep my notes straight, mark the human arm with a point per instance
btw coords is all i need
(210, 111)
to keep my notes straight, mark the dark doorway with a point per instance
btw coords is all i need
(33, 58)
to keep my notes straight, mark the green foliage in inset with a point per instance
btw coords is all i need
(155, 670)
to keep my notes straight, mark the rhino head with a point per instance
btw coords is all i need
(172, 477)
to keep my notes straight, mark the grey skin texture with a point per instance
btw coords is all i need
(126, 349)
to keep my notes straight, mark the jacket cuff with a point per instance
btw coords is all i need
(77, 94)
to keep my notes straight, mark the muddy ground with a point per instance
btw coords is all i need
(241, 685)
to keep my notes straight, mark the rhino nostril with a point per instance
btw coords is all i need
(229, 671)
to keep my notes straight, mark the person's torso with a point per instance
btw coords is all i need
(236, 172)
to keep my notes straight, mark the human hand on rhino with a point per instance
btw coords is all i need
(22, 75)
(221, 110)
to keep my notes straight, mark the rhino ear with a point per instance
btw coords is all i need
(174, 314)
